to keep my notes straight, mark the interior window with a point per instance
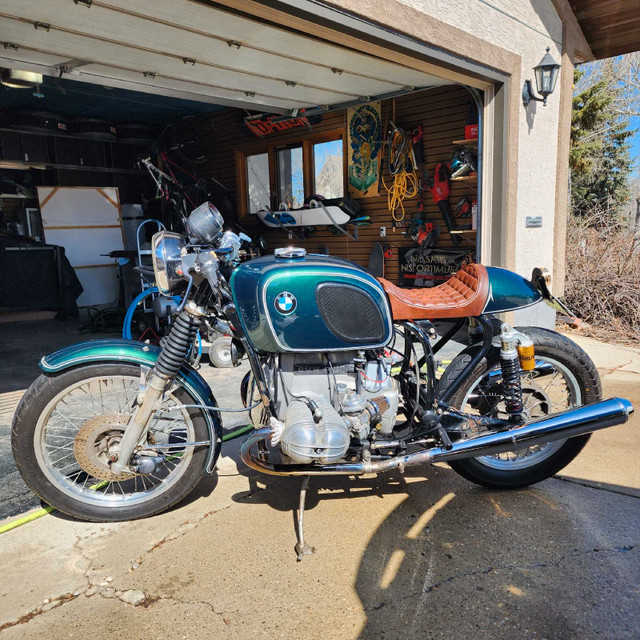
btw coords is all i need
(290, 177)
(328, 169)
(258, 182)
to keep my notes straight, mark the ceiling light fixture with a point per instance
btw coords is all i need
(17, 79)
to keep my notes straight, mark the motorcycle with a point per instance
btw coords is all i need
(342, 380)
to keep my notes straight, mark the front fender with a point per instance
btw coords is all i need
(131, 352)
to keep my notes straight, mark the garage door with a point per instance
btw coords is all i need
(187, 49)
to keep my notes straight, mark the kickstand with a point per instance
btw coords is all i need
(302, 549)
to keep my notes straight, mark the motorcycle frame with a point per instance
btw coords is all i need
(428, 399)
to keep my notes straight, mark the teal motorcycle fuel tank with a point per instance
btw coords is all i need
(509, 291)
(310, 303)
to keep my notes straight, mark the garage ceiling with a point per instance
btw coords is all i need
(186, 49)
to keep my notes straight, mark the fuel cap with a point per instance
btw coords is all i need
(290, 253)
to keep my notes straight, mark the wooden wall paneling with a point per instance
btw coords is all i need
(442, 114)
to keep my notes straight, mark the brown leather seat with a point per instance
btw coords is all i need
(464, 294)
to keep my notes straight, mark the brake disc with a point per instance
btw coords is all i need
(94, 441)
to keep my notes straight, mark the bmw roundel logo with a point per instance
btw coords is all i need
(285, 303)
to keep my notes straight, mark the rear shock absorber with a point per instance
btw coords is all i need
(474, 331)
(516, 353)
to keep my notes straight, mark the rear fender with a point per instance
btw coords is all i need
(131, 352)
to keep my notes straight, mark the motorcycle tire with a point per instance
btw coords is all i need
(53, 489)
(548, 345)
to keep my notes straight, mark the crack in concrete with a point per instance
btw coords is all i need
(56, 601)
(607, 372)
(152, 599)
(53, 603)
(180, 531)
(89, 561)
(594, 485)
(490, 570)
(109, 591)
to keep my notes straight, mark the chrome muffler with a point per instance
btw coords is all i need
(574, 422)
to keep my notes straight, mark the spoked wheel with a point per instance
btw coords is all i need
(564, 377)
(67, 429)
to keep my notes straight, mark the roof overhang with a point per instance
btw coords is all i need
(611, 27)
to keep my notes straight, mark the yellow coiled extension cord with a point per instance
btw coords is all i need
(405, 183)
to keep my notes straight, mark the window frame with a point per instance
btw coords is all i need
(271, 147)
(245, 170)
(275, 193)
(308, 160)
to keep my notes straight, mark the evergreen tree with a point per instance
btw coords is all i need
(599, 158)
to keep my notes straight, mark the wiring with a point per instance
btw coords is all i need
(335, 380)
(208, 408)
(405, 183)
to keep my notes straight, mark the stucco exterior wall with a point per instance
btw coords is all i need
(526, 28)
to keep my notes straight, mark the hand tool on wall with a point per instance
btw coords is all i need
(463, 208)
(439, 185)
(419, 164)
(463, 163)
(424, 234)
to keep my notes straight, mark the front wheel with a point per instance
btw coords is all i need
(66, 425)
(564, 377)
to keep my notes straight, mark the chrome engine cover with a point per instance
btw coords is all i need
(305, 441)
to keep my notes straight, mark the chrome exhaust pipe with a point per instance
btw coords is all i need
(571, 423)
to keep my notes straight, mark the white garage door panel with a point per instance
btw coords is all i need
(100, 286)
(226, 25)
(86, 48)
(128, 37)
(142, 33)
(135, 79)
(85, 246)
(30, 57)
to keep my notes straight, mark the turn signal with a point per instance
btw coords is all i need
(527, 357)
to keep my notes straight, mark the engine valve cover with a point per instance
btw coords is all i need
(304, 441)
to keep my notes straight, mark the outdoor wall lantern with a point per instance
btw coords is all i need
(546, 74)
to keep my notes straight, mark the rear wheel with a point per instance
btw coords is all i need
(66, 425)
(564, 377)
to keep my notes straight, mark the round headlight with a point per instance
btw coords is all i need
(167, 250)
(205, 224)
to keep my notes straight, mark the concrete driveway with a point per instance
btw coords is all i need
(425, 555)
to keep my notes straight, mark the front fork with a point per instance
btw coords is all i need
(175, 349)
